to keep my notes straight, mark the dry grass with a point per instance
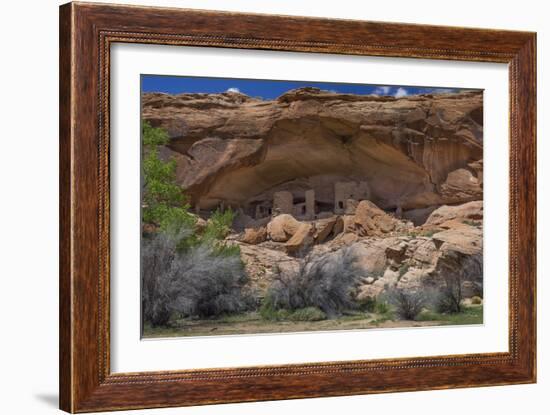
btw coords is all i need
(252, 323)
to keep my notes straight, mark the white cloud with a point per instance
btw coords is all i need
(401, 92)
(382, 90)
(237, 90)
(443, 90)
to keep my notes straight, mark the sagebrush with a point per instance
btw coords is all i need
(324, 281)
(407, 303)
(198, 281)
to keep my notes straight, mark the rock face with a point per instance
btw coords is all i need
(468, 211)
(388, 252)
(414, 152)
(398, 180)
(370, 220)
(422, 262)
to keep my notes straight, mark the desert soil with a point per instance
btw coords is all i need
(252, 323)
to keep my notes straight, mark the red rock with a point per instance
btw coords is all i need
(417, 151)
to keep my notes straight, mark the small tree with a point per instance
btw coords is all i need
(407, 303)
(456, 268)
(217, 228)
(164, 203)
(218, 225)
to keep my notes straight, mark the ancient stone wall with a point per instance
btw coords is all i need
(310, 204)
(283, 202)
(349, 190)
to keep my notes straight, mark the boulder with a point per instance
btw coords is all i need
(370, 291)
(417, 278)
(351, 206)
(390, 278)
(254, 236)
(370, 258)
(347, 239)
(282, 228)
(260, 263)
(467, 240)
(302, 238)
(423, 253)
(348, 224)
(323, 228)
(338, 227)
(461, 185)
(472, 211)
(396, 253)
(370, 220)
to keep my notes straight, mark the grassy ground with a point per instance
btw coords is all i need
(251, 323)
(472, 314)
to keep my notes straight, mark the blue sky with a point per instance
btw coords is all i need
(267, 89)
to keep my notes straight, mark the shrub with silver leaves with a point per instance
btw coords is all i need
(324, 281)
(408, 303)
(198, 281)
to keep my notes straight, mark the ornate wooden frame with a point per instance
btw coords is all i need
(86, 33)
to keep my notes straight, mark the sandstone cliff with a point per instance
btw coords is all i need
(415, 152)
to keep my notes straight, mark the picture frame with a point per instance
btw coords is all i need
(87, 32)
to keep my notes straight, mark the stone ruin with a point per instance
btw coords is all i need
(346, 195)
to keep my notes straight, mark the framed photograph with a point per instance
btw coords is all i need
(260, 207)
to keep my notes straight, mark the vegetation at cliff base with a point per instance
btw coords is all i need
(186, 270)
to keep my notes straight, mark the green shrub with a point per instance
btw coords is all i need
(218, 225)
(373, 305)
(366, 304)
(307, 314)
(164, 203)
(403, 270)
(217, 228)
(269, 312)
(382, 307)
